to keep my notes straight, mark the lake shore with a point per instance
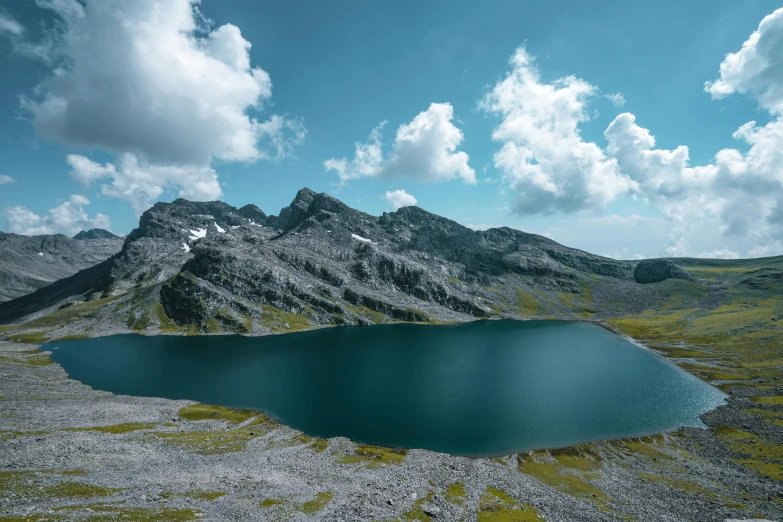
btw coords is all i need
(73, 453)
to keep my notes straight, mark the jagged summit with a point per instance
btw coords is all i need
(94, 233)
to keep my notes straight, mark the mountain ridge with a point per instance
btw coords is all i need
(209, 267)
(28, 263)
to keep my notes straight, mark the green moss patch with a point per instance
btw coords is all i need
(456, 494)
(199, 412)
(205, 496)
(497, 506)
(318, 504)
(757, 453)
(30, 338)
(118, 429)
(77, 490)
(374, 456)
(276, 320)
(566, 474)
(416, 513)
(35, 360)
(220, 441)
(773, 400)
(528, 303)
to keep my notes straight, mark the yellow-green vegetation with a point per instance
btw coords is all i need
(213, 325)
(75, 473)
(270, 502)
(276, 319)
(416, 512)
(773, 400)
(567, 471)
(205, 496)
(118, 429)
(112, 512)
(497, 506)
(566, 298)
(198, 412)
(358, 311)
(729, 337)
(77, 490)
(374, 456)
(72, 337)
(318, 445)
(455, 494)
(756, 452)
(35, 360)
(528, 303)
(318, 503)
(68, 315)
(30, 338)
(219, 441)
(139, 323)
(166, 323)
(688, 486)
(20, 483)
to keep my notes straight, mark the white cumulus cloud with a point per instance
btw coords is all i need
(141, 184)
(757, 68)
(399, 198)
(424, 149)
(67, 218)
(159, 86)
(4, 179)
(543, 157)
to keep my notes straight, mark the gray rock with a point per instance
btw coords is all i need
(656, 270)
(28, 263)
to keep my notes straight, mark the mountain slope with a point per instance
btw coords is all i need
(209, 267)
(31, 262)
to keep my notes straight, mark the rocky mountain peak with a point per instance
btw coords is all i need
(253, 213)
(94, 233)
(307, 204)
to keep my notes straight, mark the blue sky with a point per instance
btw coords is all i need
(339, 69)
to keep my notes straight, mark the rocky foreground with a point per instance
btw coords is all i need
(73, 453)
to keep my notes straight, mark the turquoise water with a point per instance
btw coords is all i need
(482, 388)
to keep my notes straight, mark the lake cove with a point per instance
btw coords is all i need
(478, 389)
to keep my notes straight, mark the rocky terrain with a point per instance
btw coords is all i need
(72, 453)
(28, 263)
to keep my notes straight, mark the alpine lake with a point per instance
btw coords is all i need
(484, 388)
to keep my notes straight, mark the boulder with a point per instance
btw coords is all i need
(657, 270)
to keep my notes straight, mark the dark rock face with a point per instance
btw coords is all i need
(94, 233)
(657, 270)
(31, 262)
(209, 264)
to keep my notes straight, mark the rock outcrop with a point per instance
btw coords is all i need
(656, 270)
